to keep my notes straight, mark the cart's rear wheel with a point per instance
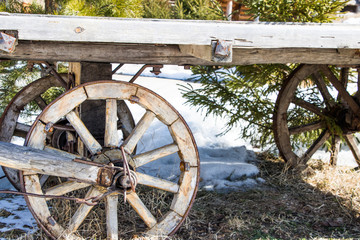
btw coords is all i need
(158, 206)
(314, 107)
(9, 121)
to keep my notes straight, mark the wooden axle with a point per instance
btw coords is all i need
(37, 161)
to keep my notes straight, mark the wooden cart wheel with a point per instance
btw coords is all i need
(156, 207)
(314, 106)
(10, 125)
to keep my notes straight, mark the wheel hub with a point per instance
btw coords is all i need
(345, 119)
(114, 156)
(119, 180)
(123, 181)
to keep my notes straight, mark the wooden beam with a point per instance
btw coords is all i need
(38, 161)
(186, 32)
(171, 54)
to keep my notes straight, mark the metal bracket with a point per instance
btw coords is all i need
(156, 71)
(7, 42)
(221, 50)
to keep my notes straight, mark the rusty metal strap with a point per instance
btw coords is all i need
(91, 201)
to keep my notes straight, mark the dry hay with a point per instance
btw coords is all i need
(321, 202)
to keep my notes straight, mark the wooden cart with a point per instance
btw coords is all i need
(75, 139)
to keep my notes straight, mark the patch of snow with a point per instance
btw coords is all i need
(226, 162)
(20, 217)
(168, 71)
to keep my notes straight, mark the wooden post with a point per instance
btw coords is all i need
(92, 113)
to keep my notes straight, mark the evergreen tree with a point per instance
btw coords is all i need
(183, 9)
(105, 8)
(245, 95)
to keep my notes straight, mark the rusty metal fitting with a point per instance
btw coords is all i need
(124, 181)
(221, 50)
(134, 99)
(184, 166)
(49, 127)
(105, 177)
(7, 42)
(156, 69)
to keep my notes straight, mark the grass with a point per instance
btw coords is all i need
(320, 202)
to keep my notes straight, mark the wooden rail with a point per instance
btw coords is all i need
(64, 38)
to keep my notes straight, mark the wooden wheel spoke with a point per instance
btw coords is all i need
(88, 139)
(82, 212)
(40, 102)
(309, 106)
(21, 130)
(155, 182)
(144, 158)
(126, 121)
(141, 209)
(335, 149)
(65, 187)
(57, 151)
(357, 94)
(342, 90)
(43, 179)
(350, 140)
(112, 217)
(319, 81)
(111, 135)
(138, 131)
(305, 128)
(315, 146)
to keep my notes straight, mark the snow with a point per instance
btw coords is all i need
(19, 218)
(352, 21)
(226, 162)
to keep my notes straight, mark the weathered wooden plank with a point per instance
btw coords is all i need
(155, 182)
(182, 199)
(90, 142)
(146, 157)
(138, 131)
(37, 161)
(112, 226)
(187, 32)
(141, 209)
(170, 54)
(111, 135)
